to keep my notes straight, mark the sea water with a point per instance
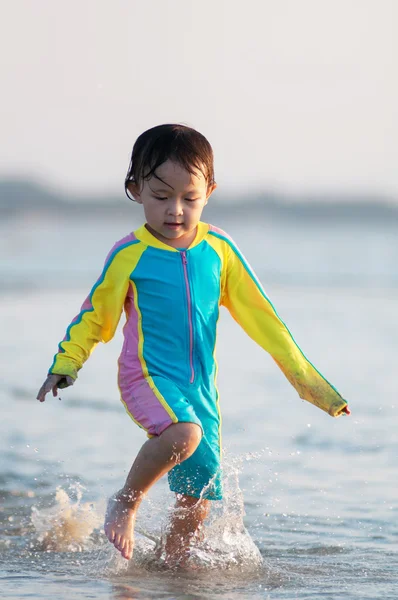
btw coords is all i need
(310, 507)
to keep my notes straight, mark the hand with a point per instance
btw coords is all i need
(53, 382)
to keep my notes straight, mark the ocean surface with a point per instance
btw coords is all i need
(310, 508)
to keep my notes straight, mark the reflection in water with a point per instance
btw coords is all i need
(126, 592)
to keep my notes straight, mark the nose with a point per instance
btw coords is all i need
(174, 207)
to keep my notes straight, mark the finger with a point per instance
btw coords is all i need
(41, 396)
(45, 388)
(69, 380)
(55, 390)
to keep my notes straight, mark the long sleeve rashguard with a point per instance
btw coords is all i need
(171, 299)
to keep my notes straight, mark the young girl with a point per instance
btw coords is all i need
(171, 276)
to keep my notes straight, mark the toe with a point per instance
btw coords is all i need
(127, 551)
(110, 534)
(122, 544)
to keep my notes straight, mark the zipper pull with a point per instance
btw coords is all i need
(184, 257)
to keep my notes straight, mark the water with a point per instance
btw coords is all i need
(311, 506)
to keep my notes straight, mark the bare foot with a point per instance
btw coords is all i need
(185, 528)
(177, 552)
(119, 526)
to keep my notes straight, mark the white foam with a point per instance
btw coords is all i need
(66, 526)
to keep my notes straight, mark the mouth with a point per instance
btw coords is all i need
(173, 225)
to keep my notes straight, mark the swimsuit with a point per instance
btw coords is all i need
(167, 367)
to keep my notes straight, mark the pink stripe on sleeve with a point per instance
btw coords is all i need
(128, 238)
(87, 304)
(221, 232)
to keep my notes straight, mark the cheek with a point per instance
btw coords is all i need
(154, 210)
(196, 209)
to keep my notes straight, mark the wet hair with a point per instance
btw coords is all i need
(179, 143)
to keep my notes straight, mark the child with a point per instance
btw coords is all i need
(171, 276)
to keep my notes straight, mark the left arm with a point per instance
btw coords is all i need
(249, 305)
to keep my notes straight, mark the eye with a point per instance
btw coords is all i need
(160, 197)
(191, 199)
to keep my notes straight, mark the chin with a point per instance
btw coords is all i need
(169, 233)
(172, 235)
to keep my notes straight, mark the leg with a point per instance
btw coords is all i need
(197, 482)
(156, 457)
(186, 524)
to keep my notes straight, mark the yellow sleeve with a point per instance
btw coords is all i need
(100, 313)
(249, 305)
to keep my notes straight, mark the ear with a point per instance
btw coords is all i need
(134, 191)
(210, 190)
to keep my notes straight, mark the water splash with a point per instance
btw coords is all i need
(68, 525)
(71, 525)
(225, 543)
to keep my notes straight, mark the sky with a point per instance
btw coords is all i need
(297, 96)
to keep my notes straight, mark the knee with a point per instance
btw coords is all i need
(185, 438)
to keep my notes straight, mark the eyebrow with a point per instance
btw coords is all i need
(162, 190)
(162, 180)
(167, 190)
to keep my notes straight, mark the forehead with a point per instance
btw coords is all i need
(176, 177)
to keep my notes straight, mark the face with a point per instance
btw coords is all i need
(173, 202)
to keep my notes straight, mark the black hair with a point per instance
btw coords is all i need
(182, 144)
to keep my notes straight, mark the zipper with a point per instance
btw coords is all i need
(189, 303)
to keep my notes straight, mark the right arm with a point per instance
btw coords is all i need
(98, 317)
(97, 320)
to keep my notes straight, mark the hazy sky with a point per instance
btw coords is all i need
(297, 95)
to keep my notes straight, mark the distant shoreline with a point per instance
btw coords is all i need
(24, 196)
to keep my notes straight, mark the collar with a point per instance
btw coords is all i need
(148, 239)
